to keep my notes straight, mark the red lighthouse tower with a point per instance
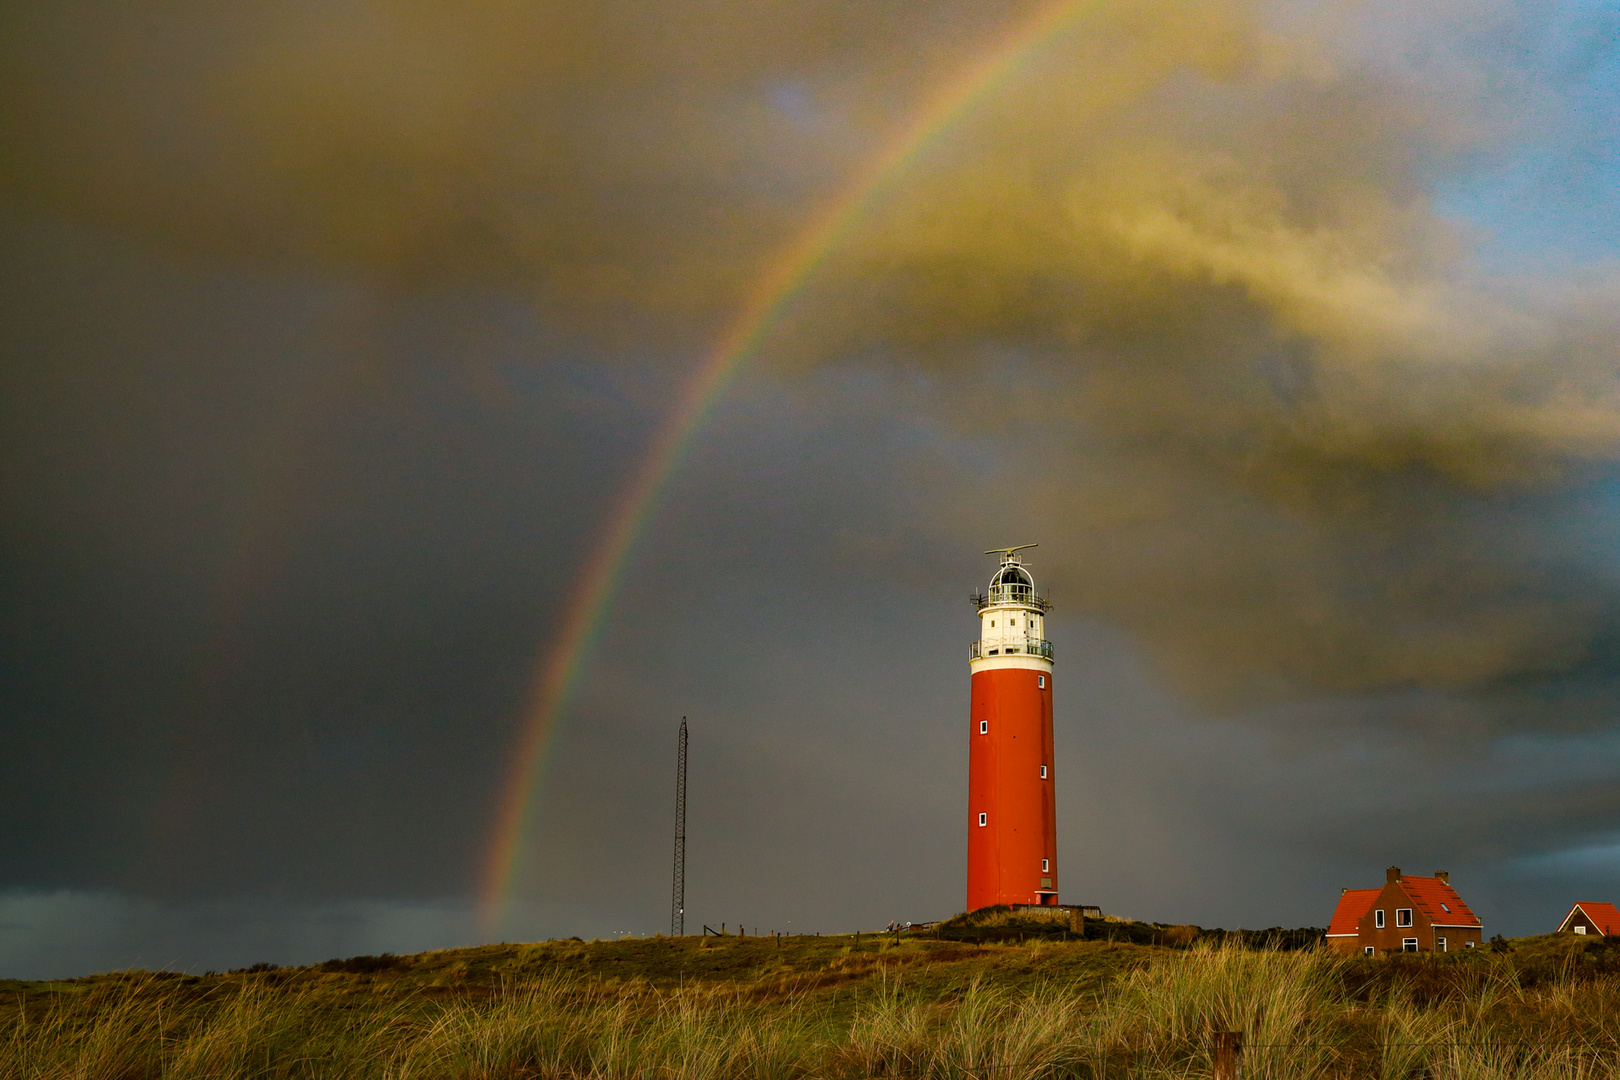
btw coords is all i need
(1012, 814)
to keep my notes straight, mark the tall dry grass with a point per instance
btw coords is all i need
(1298, 1017)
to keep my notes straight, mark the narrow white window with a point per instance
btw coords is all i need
(1409, 944)
(1046, 865)
(984, 819)
(1368, 951)
(1440, 944)
(1043, 777)
(1378, 918)
(1040, 681)
(1403, 916)
(984, 729)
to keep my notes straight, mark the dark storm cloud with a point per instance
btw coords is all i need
(1277, 410)
(601, 155)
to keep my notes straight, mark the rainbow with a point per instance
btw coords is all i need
(795, 264)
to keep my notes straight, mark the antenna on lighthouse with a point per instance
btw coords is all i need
(677, 901)
(1007, 553)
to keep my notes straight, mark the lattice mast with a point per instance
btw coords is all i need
(677, 902)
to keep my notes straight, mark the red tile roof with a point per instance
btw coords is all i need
(1429, 894)
(1606, 917)
(1352, 906)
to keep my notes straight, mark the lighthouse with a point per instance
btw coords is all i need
(1012, 813)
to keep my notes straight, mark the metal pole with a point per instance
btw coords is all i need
(677, 903)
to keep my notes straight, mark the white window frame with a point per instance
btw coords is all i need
(1040, 681)
(1440, 945)
(1368, 950)
(1046, 866)
(984, 727)
(1468, 944)
(1409, 944)
(1043, 777)
(1580, 929)
(1403, 916)
(984, 819)
(1378, 918)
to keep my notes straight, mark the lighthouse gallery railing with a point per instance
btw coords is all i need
(977, 650)
(1010, 594)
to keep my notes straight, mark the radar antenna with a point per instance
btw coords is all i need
(1007, 553)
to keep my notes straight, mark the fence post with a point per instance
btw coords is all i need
(1228, 1055)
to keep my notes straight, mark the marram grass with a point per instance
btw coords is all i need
(827, 1008)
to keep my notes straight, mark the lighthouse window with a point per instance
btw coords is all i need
(984, 727)
(984, 819)
(1040, 681)
(1046, 865)
(1043, 772)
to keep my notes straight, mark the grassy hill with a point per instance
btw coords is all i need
(1037, 1001)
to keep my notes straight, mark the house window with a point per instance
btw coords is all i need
(1580, 929)
(1367, 951)
(1446, 908)
(1046, 866)
(1439, 944)
(984, 819)
(1043, 777)
(984, 729)
(1409, 944)
(1378, 918)
(1468, 944)
(1403, 916)
(1040, 681)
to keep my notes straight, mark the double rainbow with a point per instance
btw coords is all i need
(559, 672)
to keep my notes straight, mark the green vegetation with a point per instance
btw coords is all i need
(840, 1008)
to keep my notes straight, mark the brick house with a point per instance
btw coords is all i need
(1409, 914)
(1589, 917)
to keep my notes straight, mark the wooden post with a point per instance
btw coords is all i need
(1228, 1055)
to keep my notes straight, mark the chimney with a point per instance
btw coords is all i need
(1443, 876)
(1392, 874)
